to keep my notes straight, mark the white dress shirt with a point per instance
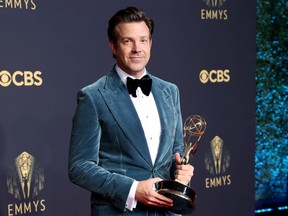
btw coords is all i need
(148, 114)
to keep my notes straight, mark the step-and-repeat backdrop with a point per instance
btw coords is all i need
(50, 49)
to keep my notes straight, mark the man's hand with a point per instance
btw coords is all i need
(183, 173)
(148, 196)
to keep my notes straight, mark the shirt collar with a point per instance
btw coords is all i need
(123, 75)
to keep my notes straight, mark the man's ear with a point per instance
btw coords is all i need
(112, 47)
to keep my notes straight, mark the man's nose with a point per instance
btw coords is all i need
(136, 47)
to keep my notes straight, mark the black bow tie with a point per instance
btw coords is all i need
(144, 83)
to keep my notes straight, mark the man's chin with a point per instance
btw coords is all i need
(137, 69)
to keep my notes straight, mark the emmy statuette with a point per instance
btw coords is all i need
(183, 196)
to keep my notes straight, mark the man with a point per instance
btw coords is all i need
(121, 143)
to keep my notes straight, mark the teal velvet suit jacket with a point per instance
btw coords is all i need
(108, 149)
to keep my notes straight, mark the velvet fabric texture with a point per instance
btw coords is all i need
(108, 149)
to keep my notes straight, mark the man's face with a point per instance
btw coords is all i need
(132, 49)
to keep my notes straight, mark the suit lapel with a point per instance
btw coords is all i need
(121, 107)
(166, 112)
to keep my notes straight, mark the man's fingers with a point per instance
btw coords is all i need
(178, 158)
(184, 173)
(155, 180)
(146, 194)
(162, 201)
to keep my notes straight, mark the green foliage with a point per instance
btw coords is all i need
(271, 158)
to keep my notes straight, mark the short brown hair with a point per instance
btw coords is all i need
(127, 15)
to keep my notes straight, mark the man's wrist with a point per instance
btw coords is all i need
(131, 201)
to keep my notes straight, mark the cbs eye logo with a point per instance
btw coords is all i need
(20, 78)
(214, 76)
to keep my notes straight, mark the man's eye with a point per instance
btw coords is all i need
(126, 41)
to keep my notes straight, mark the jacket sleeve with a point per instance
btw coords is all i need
(83, 161)
(178, 145)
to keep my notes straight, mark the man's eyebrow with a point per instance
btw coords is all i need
(132, 38)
